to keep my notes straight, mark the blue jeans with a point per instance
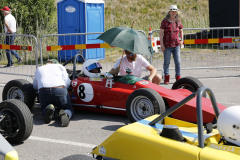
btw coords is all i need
(9, 40)
(177, 60)
(59, 97)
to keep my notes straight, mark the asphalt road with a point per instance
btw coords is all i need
(88, 129)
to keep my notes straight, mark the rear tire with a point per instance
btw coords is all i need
(190, 83)
(22, 90)
(17, 122)
(143, 103)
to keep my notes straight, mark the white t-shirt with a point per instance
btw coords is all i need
(51, 75)
(11, 21)
(135, 66)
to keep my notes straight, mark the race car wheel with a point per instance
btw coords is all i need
(190, 83)
(143, 103)
(20, 89)
(16, 121)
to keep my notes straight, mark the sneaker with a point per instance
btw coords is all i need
(8, 65)
(64, 118)
(49, 113)
(19, 60)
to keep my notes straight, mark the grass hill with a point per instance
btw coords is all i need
(149, 13)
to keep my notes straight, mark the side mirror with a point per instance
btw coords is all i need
(108, 75)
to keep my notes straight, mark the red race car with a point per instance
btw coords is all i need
(127, 94)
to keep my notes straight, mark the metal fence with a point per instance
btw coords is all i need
(27, 48)
(205, 48)
(72, 44)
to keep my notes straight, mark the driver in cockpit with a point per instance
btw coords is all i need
(91, 68)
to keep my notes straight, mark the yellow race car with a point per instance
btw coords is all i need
(7, 152)
(165, 138)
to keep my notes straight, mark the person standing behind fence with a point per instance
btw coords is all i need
(170, 30)
(10, 28)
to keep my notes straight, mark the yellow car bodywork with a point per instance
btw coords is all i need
(140, 141)
(7, 152)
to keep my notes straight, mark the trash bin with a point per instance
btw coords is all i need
(80, 16)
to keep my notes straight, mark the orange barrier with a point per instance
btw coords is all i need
(105, 45)
(16, 47)
(209, 41)
(152, 40)
(150, 37)
(78, 46)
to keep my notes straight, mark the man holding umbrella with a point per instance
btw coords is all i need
(135, 63)
(135, 44)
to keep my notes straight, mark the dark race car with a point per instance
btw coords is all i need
(16, 121)
(129, 95)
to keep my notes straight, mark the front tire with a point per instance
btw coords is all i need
(20, 89)
(143, 103)
(16, 121)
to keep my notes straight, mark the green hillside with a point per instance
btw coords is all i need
(149, 13)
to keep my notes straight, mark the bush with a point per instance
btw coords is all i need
(30, 14)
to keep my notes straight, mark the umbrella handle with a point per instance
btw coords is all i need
(132, 24)
(121, 59)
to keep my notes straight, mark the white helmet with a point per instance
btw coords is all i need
(89, 65)
(228, 124)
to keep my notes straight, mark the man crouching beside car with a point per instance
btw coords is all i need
(52, 81)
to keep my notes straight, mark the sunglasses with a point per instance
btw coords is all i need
(173, 9)
(129, 53)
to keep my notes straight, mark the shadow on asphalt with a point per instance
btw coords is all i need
(113, 127)
(81, 115)
(78, 157)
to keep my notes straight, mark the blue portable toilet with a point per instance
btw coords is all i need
(80, 16)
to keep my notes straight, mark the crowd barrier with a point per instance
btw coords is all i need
(204, 48)
(63, 46)
(27, 48)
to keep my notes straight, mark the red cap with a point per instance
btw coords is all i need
(5, 9)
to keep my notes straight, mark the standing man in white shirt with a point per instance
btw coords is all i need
(52, 82)
(135, 63)
(10, 28)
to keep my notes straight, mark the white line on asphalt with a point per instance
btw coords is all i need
(62, 142)
(232, 104)
(216, 78)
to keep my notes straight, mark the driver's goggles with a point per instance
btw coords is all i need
(93, 66)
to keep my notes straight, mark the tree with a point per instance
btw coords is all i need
(30, 14)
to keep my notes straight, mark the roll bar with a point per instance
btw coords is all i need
(74, 60)
(199, 95)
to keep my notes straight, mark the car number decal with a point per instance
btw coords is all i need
(85, 92)
(102, 150)
(224, 148)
